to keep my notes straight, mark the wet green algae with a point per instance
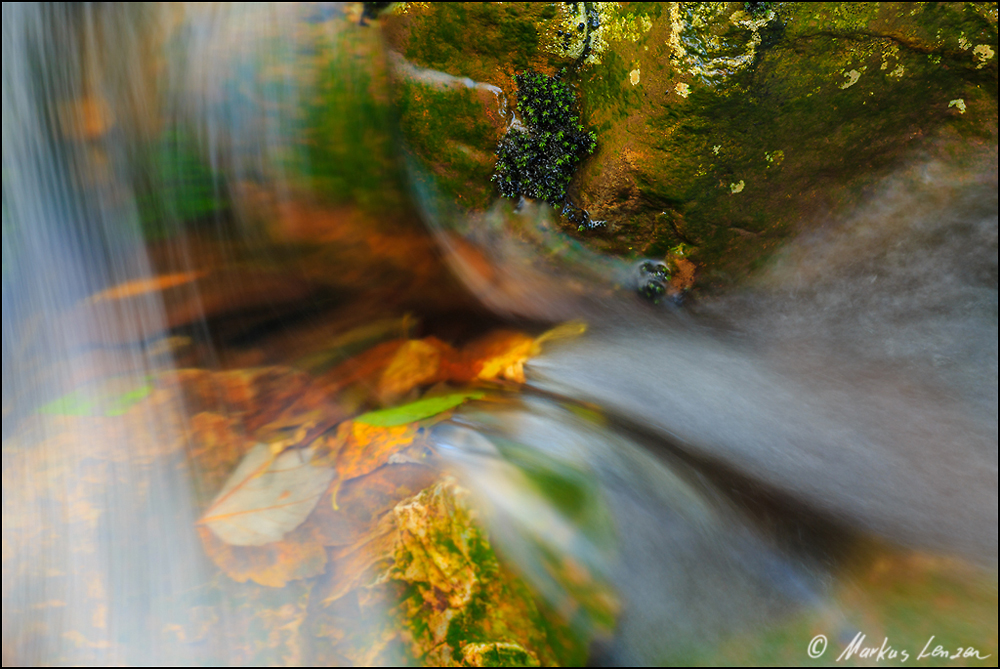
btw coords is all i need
(725, 130)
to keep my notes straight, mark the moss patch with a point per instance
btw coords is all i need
(538, 159)
(428, 588)
(349, 154)
(453, 130)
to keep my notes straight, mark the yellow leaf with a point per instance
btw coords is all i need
(501, 354)
(365, 448)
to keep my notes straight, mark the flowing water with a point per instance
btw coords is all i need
(220, 187)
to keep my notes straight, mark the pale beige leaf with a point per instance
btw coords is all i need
(267, 496)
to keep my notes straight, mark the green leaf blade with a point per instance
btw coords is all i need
(424, 408)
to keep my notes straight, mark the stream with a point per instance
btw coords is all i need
(211, 230)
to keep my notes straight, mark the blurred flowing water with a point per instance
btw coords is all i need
(220, 186)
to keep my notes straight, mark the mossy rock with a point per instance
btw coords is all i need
(456, 84)
(427, 588)
(719, 126)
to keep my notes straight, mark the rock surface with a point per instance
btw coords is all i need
(720, 126)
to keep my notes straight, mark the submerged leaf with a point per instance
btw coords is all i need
(118, 405)
(363, 500)
(257, 396)
(392, 369)
(364, 448)
(272, 565)
(416, 362)
(145, 286)
(365, 368)
(267, 497)
(356, 340)
(503, 353)
(76, 403)
(96, 402)
(500, 354)
(424, 408)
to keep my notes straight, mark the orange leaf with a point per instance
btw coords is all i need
(499, 354)
(391, 369)
(365, 448)
(86, 118)
(142, 286)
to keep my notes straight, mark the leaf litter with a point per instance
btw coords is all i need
(403, 570)
(275, 447)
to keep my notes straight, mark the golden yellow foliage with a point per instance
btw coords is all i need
(365, 448)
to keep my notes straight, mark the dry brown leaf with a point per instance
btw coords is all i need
(359, 562)
(363, 500)
(301, 554)
(256, 396)
(217, 444)
(316, 408)
(366, 367)
(302, 423)
(261, 394)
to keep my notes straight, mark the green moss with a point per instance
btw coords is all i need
(451, 36)
(538, 160)
(832, 134)
(175, 186)
(606, 90)
(843, 92)
(449, 128)
(349, 149)
(458, 603)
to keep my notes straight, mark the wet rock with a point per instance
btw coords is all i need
(719, 127)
